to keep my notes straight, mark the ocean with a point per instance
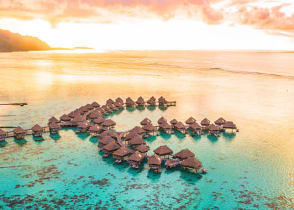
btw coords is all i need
(252, 169)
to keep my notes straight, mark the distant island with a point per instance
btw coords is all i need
(13, 42)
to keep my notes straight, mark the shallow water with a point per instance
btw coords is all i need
(252, 169)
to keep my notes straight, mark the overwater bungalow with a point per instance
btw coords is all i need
(37, 131)
(162, 101)
(122, 154)
(192, 163)
(163, 151)
(119, 100)
(110, 148)
(109, 101)
(19, 133)
(154, 163)
(190, 121)
(140, 101)
(173, 123)
(83, 110)
(106, 109)
(94, 130)
(73, 113)
(165, 127)
(105, 140)
(3, 135)
(214, 130)
(65, 118)
(220, 121)
(138, 130)
(195, 128)
(109, 123)
(111, 133)
(53, 119)
(184, 154)
(112, 107)
(161, 120)
(94, 115)
(135, 159)
(171, 163)
(83, 127)
(150, 129)
(78, 118)
(89, 107)
(98, 120)
(136, 141)
(118, 105)
(130, 102)
(145, 121)
(129, 136)
(95, 104)
(143, 148)
(230, 125)
(151, 101)
(180, 127)
(205, 123)
(54, 128)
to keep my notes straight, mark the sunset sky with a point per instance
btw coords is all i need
(154, 24)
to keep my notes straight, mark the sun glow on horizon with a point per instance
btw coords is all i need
(151, 34)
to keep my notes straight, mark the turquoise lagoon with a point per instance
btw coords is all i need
(252, 169)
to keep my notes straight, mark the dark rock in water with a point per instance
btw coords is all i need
(101, 182)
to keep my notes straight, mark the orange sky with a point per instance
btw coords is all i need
(154, 24)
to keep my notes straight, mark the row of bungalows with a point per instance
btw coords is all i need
(141, 102)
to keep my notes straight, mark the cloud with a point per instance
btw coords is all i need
(262, 14)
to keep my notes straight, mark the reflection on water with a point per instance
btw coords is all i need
(68, 170)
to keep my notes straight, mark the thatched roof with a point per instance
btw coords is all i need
(136, 140)
(105, 140)
(83, 109)
(143, 148)
(151, 101)
(122, 152)
(109, 133)
(109, 101)
(89, 107)
(220, 121)
(154, 160)
(230, 124)
(138, 130)
(65, 118)
(83, 125)
(165, 125)
(195, 126)
(191, 162)
(161, 120)
(137, 157)
(54, 125)
(95, 104)
(205, 122)
(130, 135)
(94, 128)
(2, 132)
(73, 114)
(118, 104)
(105, 108)
(110, 147)
(19, 130)
(37, 128)
(94, 114)
(163, 150)
(149, 127)
(109, 122)
(99, 120)
(145, 121)
(191, 120)
(53, 119)
(162, 100)
(213, 127)
(130, 102)
(179, 125)
(184, 154)
(78, 118)
(173, 122)
(119, 100)
(140, 101)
